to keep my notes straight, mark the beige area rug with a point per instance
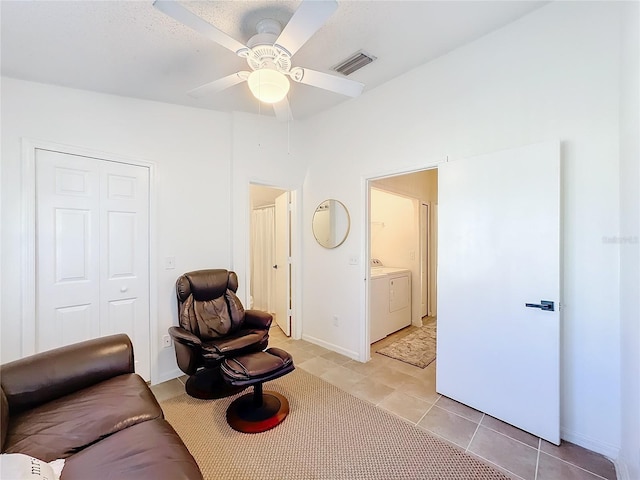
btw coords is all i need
(329, 434)
(417, 348)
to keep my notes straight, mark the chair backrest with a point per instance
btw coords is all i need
(207, 304)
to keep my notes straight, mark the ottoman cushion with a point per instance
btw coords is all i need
(256, 367)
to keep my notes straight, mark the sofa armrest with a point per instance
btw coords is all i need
(45, 376)
(257, 319)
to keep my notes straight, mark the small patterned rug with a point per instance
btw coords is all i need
(417, 348)
(328, 435)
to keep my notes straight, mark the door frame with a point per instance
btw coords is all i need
(295, 247)
(28, 253)
(364, 350)
(425, 224)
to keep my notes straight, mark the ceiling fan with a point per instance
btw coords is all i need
(268, 54)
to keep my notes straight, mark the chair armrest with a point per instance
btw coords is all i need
(180, 335)
(188, 349)
(257, 319)
(45, 376)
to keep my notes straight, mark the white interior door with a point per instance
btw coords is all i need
(124, 256)
(68, 242)
(92, 225)
(283, 264)
(499, 249)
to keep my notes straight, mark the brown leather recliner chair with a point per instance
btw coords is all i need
(213, 325)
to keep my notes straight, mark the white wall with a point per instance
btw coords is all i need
(191, 149)
(263, 152)
(630, 249)
(553, 74)
(394, 229)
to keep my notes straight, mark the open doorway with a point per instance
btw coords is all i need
(403, 251)
(270, 254)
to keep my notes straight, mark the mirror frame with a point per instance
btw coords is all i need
(346, 233)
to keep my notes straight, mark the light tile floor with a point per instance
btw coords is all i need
(409, 392)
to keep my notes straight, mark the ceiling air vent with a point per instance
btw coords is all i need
(354, 62)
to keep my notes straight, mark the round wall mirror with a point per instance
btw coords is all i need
(331, 223)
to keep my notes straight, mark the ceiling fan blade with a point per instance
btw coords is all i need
(191, 20)
(351, 88)
(218, 85)
(282, 110)
(307, 19)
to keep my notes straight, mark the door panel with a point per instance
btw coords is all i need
(498, 248)
(73, 324)
(72, 244)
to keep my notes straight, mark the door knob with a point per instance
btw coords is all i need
(543, 305)
(275, 266)
(124, 289)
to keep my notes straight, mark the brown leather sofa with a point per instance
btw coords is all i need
(84, 403)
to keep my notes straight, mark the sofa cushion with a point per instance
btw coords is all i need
(68, 424)
(150, 450)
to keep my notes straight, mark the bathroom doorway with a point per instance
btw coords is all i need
(270, 253)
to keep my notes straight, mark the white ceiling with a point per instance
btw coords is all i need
(129, 48)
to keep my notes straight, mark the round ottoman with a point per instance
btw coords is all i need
(261, 410)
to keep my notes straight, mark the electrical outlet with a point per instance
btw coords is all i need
(335, 321)
(166, 341)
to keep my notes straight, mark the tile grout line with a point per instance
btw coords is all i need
(574, 465)
(497, 465)
(510, 437)
(535, 477)
(425, 413)
(474, 433)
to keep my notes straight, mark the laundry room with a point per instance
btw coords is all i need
(403, 247)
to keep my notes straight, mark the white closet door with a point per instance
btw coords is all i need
(124, 256)
(92, 230)
(68, 246)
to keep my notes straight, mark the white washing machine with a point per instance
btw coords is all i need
(390, 305)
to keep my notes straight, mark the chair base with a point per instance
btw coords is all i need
(207, 384)
(258, 411)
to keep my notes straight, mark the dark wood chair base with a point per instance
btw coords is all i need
(258, 411)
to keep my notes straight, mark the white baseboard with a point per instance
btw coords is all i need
(608, 450)
(169, 375)
(330, 346)
(622, 472)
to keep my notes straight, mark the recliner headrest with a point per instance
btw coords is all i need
(205, 284)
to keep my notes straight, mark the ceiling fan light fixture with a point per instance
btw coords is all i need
(268, 85)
